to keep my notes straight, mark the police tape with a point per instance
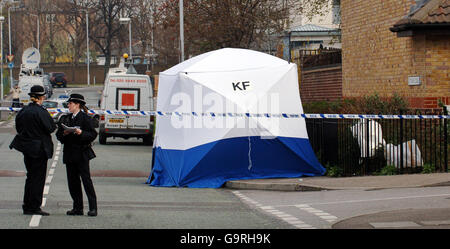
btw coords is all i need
(254, 115)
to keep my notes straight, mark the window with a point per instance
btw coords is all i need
(304, 44)
(72, 20)
(50, 104)
(50, 18)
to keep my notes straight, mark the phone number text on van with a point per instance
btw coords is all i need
(128, 81)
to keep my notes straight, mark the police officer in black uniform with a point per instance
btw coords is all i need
(34, 126)
(77, 152)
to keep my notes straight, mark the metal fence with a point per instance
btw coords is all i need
(316, 57)
(367, 146)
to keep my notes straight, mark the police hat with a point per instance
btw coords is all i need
(37, 90)
(77, 98)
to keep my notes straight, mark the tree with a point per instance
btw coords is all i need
(209, 25)
(144, 19)
(310, 8)
(72, 22)
(105, 25)
(216, 24)
(45, 14)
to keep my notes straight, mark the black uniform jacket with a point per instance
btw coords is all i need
(77, 147)
(34, 126)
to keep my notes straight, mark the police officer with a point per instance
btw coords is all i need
(77, 152)
(34, 126)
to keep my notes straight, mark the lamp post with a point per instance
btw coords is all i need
(11, 80)
(290, 48)
(87, 48)
(152, 23)
(2, 19)
(181, 30)
(127, 20)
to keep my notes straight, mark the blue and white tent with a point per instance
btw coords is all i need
(219, 140)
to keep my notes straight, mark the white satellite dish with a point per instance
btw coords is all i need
(31, 58)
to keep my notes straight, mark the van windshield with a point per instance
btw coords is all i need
(50, 104)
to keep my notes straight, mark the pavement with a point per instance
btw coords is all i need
(407, 218)
(343, 183)
(6, 103)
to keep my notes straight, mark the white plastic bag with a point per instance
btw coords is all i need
(368, 143)
(411, 154)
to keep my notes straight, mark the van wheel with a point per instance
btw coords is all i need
(102, 138)
(148, 140)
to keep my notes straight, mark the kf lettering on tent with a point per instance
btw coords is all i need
(238, 85)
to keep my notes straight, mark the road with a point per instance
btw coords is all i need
(401, 208)
(125, 201)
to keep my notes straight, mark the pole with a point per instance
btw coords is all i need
(87, 47)
(153, 32)
(1, 73)
(445, 140)
(289, 46)
(181, 30)
(11, 80)
(129, 31)
(37, 34)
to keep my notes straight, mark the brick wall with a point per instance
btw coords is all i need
(321, 84)
(375, 60)
(75, 75)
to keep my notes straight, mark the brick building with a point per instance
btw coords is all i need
(397, 46)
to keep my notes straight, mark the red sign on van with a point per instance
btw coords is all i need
(128, 99)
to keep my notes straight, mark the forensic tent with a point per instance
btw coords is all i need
(230, 114)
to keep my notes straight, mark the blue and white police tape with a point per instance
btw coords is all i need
(256, 115)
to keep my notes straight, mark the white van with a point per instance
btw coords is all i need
(25, 84)
(128, 92)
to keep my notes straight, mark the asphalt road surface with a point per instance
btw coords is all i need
(124, 200)
(400, 208)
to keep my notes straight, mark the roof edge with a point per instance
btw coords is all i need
(425, 9)
(414, 26)
(418, 15)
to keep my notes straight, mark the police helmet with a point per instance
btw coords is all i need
(77, 98)
(37, 90)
